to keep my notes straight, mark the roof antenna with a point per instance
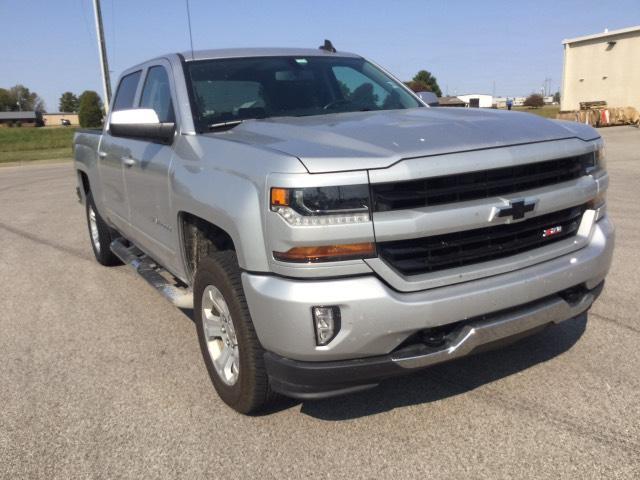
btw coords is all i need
(189, 22)
(328, 47)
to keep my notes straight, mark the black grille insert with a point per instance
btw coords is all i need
(475, 185)
(439, 252)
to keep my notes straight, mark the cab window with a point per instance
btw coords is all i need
(156, 94)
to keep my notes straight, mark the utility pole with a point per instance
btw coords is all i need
(547, 86)
(102, 50)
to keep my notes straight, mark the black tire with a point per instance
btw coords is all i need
(251, 392)
(105, 235)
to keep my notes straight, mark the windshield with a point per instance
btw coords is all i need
(230, 90)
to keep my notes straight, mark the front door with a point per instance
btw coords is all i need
(111, 154)
(147, 172)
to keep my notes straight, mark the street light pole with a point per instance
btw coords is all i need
(102, 50)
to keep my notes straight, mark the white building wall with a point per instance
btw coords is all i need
(602, 67)
(486, 101)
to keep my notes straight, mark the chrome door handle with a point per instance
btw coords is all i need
(102, 154)
(128, 161)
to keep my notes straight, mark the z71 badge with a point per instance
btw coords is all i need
(550, 232)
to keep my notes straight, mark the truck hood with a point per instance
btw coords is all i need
(367, 140)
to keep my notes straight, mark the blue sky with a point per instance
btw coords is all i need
(50, 46)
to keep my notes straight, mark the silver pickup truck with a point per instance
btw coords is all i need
(328, 228)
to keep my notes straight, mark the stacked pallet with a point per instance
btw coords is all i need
(597, 114)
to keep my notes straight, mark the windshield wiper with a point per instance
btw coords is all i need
(224, 125)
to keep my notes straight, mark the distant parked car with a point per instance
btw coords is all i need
(429, 98)
(65, 123)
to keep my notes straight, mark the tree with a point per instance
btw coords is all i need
(556, 97)
(534, 100)
(68, 103)
(20, 97)
(90, 109)
(5, 100)
(417, 86)
(25, 99)
(428, 80)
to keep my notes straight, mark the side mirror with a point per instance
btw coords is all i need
(141, 123)
(429, 98)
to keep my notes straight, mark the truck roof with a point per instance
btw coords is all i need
(261, 52)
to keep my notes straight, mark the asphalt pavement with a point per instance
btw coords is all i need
(100, 377)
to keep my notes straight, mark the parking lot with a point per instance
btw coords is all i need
(100, 377)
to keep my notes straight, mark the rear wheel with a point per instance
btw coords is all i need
(100, 234)
(230, 347)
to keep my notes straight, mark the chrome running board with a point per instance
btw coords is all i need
(156, 276)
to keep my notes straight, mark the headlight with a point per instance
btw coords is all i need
(595, 162)
(322, 205)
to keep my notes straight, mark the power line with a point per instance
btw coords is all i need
(86, 19)
(113, 34)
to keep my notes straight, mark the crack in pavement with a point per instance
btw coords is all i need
(45, 242)
(615, 321)
(606, 435)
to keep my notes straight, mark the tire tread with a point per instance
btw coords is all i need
(257, 393)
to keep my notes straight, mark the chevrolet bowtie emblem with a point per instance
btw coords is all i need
(517, 209)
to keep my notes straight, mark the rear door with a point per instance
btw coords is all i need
(112, 153)
(147, 172)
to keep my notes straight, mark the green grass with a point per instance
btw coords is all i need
(22, 144)
(548, 111)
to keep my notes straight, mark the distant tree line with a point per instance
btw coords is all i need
(87, 105)
(90, 109)
(18, 98)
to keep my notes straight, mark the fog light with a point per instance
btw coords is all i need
(326, 321)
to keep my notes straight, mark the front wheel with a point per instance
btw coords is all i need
(230, 347)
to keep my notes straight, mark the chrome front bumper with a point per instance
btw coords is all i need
(376, 319)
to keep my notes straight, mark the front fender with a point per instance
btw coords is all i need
(224, 183)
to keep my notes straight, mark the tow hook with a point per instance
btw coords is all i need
(434, 337)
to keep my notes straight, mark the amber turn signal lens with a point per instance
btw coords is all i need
(598, 201)
(279, 197)
(328, 253)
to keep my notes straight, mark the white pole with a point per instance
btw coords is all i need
(102, 50)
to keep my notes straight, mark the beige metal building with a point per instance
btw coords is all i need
(55, 119)
(604, 66)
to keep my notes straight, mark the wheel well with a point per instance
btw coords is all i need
(201, 238)
(84, 179)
